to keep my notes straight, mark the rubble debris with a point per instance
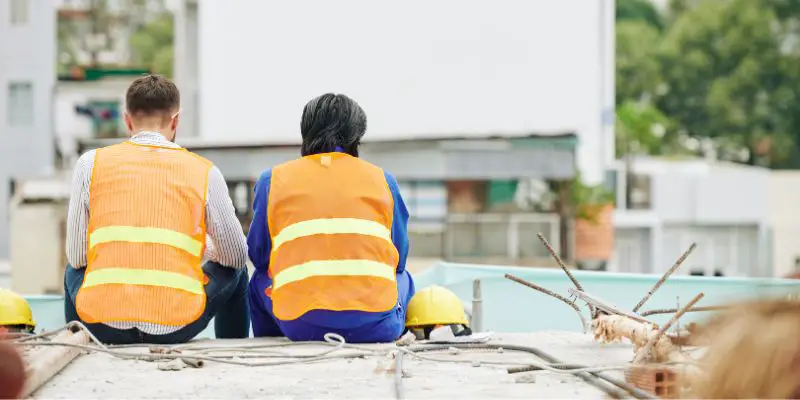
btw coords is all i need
(171, 365)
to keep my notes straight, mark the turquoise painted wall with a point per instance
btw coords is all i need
(510, 307)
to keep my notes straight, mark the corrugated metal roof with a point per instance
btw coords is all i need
(206, 143)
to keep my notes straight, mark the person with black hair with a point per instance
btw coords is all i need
(329, 237)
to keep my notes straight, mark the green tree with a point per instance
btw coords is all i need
(643, 129)
(637, 66)
(726, 75)
(152, 44)
(84, 32)
(639, 10)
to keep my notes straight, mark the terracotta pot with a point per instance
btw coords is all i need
(594, 237)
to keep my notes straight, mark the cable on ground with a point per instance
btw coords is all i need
(198, 351)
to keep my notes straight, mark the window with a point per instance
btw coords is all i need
(20, 104)
(639, 192)
(18, 11)
(241, 193)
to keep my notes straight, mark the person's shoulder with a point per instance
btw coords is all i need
(391, 181)
(86, 159)
(265, 176)
(201, 159)
(389, 177)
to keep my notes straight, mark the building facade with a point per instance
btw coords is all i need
(27, 81)
(722, 207)
(421, 70)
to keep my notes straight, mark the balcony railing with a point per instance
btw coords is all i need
(487, 238)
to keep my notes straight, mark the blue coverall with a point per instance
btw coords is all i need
(354, 326)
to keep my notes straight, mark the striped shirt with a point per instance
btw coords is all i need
(225, 243)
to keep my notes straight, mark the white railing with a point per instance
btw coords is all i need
(510, 237)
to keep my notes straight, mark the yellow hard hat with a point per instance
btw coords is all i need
(435, 305)
(14, 310)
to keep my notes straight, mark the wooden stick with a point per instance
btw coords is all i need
(46, 363)
(642, 353)
(552, 294)
(674, 310)
(666, 275)
(564, 268)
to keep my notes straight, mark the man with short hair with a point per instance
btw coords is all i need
(140, 213)
(329, 239)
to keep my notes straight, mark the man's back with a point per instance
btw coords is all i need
(146, 236)
(139, 216)
(329, 237)
(330, 217)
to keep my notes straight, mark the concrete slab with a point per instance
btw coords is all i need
(103, 376)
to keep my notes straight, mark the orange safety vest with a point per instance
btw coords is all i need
(330, 220)
(146, 236)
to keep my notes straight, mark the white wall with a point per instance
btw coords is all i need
(418, 68)
(186, 64)
(27, 54)
(723, 207)
(702, 192)
(784, 218)
(38, 248)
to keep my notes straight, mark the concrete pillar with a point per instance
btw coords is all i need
(186, 66)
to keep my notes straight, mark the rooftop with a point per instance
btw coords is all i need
(104, 376)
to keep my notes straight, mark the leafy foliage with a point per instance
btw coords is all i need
(639, 10)
(95, 27)
(727, 71)
(588, 200)
(152, 45)
(638, 71)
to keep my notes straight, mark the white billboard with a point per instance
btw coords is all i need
(418, 68)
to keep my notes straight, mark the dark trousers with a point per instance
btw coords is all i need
(226, 300)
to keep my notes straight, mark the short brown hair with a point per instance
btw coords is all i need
(151, 95)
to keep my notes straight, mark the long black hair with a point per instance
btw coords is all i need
(330, 121)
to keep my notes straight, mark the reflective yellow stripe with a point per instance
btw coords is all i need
(334, 268)
(331, 226)
(146, 235)
(147, 277)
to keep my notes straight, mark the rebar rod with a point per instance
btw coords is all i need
(616, 390)
(607, 306)
(549, 292)
(633, 390)
(674, 310)
(666, 276)
(564, 268)
(661, 331)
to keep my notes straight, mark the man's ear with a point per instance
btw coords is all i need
(128, 122)
(174, 123)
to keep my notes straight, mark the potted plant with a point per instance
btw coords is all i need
(592, 212)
